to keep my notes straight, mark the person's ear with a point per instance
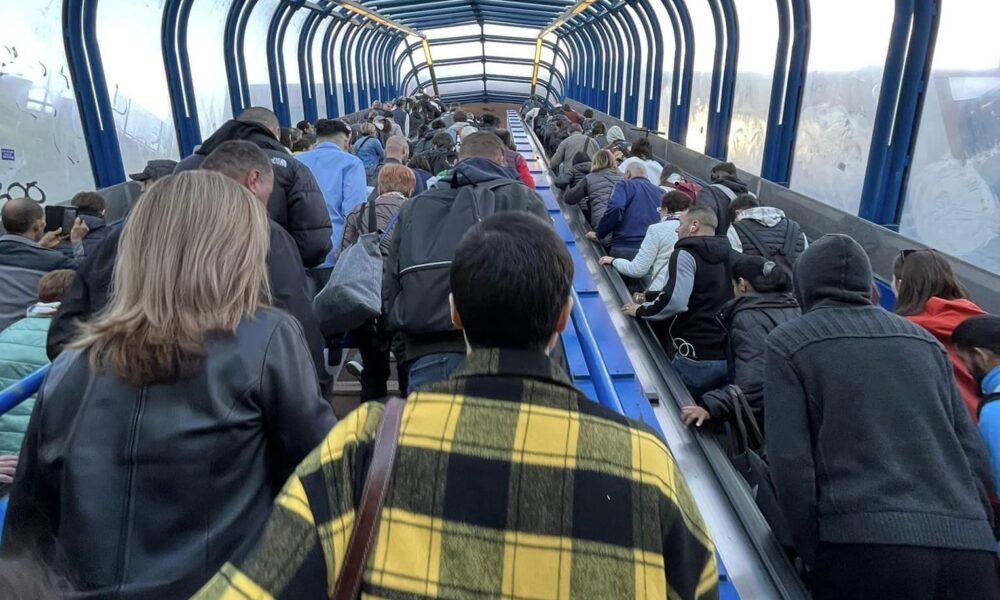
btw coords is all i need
(456, 319)
(564, 315)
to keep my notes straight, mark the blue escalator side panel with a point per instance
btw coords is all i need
(634, 403)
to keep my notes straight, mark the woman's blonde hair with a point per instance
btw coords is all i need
(191, 260)
(369, 129)
(602, 161)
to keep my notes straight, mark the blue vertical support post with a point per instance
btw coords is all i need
(333, 107)
(277, 78)
(236, 64)
(654, 73)
(786, 91)
(720, 112)
(615, 64)
(636, 59)
(307, 70)
(177, 67)
(897, 118)
(345, 59)
(680, 111)
(83, 55)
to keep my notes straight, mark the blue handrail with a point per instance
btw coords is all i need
(22, 390)
(607, 395)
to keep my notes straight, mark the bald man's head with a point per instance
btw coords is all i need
(24, 217)
(261, 116)
(397, 147)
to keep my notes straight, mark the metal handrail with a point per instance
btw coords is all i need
(22, 390)
(604, 387)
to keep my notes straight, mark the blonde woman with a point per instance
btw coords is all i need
(163, 434)
(369, 148)
(594, 190)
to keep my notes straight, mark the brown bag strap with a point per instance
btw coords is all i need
(367, 517)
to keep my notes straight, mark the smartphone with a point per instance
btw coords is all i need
(60, 216)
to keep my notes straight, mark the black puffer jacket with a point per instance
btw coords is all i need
(593, 193)
(714, 197)
(296, 203)
(770, 226)
(147, 491)
(749, 319)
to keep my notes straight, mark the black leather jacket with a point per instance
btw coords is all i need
(147, 491)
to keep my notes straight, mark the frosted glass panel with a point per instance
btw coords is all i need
(40, 131)
(841, 95)
(953, 198)
(208, 65)
(754, 73)
(137, 82)
(666, 84)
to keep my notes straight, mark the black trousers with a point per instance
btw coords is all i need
(883, 572)
(373, 345)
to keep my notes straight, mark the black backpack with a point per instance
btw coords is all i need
(786, 256)
(439, 219)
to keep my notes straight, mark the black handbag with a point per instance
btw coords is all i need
(754, 468)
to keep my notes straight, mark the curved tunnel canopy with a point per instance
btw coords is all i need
(899, 125)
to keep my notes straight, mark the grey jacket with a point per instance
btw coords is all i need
(578, 142)
(22, 264)
(770, 225)
(867, 436)
(148, 490)
(593, 193)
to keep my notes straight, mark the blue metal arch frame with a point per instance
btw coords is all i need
(720, 113)
(307, 70)
(346, 56)
(177, 64)
(90, 87)
(277, 77)
(236, 65)
(897, 118)
(634, 49)
(654, 74)
(333, 106)
(787, 88)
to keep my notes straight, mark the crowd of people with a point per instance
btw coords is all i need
(861, 422)
(184, 441)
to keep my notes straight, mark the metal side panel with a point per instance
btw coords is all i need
(752, 564)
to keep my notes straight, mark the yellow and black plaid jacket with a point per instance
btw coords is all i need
(509, 483)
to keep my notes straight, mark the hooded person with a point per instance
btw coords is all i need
(977, 341)
(874, 459)
(617, 143)
(765, 231)
(297, 202)
(725, 186)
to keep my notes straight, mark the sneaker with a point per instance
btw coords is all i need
(355, 369)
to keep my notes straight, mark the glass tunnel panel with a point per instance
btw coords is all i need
(953, 196)
(208, 65)
(666, 32)
(494, 69)
(41, 136)
(758, 20)
(701, 82)
(510, 31)
(840, 98)
(511, 49)
(293, 90)
(450, 32)
(137, 81)
(255, 52)
(645, 57)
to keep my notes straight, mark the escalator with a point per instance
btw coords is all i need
(618, 362)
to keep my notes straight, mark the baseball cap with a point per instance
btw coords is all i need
(154, 170)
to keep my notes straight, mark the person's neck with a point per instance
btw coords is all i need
(991, 383)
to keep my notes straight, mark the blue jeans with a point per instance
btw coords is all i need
(700, 376)
(432, 368)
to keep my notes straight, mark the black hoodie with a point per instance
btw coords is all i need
(296, 203)
(868, 439)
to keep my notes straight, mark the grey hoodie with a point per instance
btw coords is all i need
(866, 433)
